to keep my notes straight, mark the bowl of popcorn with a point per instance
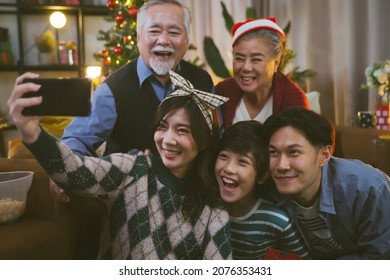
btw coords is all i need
(13, 193)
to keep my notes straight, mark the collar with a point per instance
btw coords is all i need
(144, 72)
(167, 178)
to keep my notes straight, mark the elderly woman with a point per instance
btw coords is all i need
(258, 89)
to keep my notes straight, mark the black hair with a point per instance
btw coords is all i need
(248, 137)
(200, 191)
(316, 128)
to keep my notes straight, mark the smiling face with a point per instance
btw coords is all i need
(162, 39)
(236, 176)
(295, 164)
(175, 143)
(254, 64)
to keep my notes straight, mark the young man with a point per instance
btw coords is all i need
(340, 206)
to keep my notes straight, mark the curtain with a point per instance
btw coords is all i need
(207, 20)
(338, 40)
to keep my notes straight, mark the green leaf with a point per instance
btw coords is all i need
(286, 29)
(214, 59)
(251, 13)
(228, 18)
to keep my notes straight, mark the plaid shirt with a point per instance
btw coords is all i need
(143, 201)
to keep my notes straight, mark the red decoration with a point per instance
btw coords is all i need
(118, 50)
(107, 61)
(383, 117)
(126, 39)
(132, 11)
(275, 254)
(103, 53)
(111, 4)
(119, 18)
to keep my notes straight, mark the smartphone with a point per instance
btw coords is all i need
(61, 97)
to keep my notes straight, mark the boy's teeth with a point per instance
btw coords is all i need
(227, 181)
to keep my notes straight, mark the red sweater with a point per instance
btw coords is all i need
(286, 94)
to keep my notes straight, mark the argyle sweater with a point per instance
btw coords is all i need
(143, 201)
(285, 94)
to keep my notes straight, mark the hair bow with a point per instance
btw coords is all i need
(206, 101)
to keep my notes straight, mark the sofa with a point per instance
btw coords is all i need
(48, 229)
(53, 230)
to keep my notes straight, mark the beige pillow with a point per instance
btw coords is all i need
(314, 101)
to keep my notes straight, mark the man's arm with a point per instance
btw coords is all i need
(85, 134)
(374, 224)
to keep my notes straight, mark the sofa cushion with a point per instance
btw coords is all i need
(16, 149)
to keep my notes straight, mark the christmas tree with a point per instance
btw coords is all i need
(121, 40)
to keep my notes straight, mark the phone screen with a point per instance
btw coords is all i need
(61, 97)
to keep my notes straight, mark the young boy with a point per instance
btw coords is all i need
(256, 224)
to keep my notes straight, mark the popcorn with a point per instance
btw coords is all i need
(10, 209)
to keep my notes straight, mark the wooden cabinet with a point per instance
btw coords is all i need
(27, 19)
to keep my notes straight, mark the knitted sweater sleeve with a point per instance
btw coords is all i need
(93, 176)
(217, 238)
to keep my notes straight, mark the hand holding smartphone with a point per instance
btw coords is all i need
(61, 97)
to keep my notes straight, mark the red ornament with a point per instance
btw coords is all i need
(103, 53)
(111, 4)
(107, 61)
(126, 39)
(132, 11)
(119, 18)
(118, 50)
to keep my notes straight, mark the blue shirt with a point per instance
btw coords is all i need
(85, 134)
(355, 206)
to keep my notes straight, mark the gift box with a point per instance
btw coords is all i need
(275, 254)
(382, 117)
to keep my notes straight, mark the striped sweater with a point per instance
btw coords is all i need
(265, 226)
(143, 201)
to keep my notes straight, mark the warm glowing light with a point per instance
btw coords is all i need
(93, 72)
(57, 20)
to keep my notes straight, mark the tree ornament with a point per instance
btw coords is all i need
(118, 49)
(126, 39)
(107, 61)
(103, 53)
(119, 18)
(132, 11)
(111, 4)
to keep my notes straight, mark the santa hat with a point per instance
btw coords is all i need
(241, 28)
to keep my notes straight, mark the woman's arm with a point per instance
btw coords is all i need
(217, 238)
